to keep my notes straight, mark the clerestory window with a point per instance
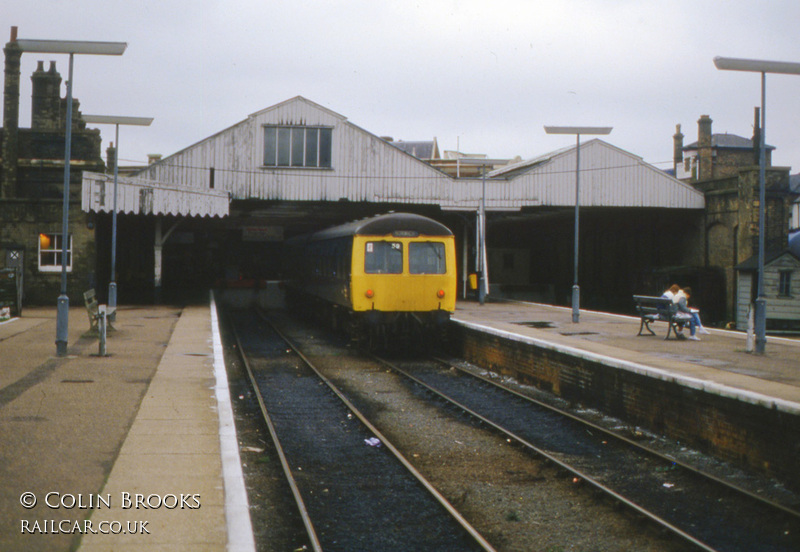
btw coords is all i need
(298, 146)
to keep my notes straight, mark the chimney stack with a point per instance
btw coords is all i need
(111, 158)
(757, 136)
(704, 151)
(10, 152)
(45, 98)
(677, 148)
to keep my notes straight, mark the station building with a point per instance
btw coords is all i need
(297, 166)
(216, 213)
(725, 167)
(32, 184)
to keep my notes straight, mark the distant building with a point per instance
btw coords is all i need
(781, 288)
(725, 167)
(714, 155)
(424, 150)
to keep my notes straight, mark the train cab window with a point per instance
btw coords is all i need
(383, 257)
(426, 258)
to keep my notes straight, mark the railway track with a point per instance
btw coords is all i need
(353, 489)
(703, 511)
(699, 513)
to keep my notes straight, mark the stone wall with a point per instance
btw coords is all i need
(23, 221)
(731, 225)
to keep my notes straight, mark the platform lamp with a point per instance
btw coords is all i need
(481, 262)
(115, 120)
(70, 47)
(763, 67)
(577, 131)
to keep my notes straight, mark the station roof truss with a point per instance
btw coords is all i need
(366, 168)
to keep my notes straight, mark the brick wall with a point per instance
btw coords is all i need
(752, 436)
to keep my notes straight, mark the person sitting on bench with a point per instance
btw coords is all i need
(685, 313)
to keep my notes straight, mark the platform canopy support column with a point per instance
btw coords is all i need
(158, 247)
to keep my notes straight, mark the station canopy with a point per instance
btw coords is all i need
(140, 196)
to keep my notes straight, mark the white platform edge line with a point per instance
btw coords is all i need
(730, 333)
(237, 507)
(722, 390)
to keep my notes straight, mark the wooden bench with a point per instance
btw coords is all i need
(654, 309)
(93, 309)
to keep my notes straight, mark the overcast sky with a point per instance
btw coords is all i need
(483, 75)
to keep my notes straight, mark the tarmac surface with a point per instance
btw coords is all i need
(718, 359)
(83, 435)
(120, 452)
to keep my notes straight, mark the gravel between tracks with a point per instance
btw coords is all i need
(517, 503)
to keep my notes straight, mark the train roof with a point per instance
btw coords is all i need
(383, 225)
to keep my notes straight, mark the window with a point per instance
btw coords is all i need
(785, 283)
(297, 146)
(383, 257)
(50, 252)
(426, 258)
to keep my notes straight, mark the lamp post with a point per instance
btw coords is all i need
(763, 67)
(481, 261)
(577, 131)
(116, 121)
(70, 47)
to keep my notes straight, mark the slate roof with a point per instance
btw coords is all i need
(419, 149)
(729, 141)
(769, 257)
(794, 183)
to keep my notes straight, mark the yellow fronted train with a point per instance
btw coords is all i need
(386, 279)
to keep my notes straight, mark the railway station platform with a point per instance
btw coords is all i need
(135, 450)
(710, 395)
(91, 438)
(718, 358)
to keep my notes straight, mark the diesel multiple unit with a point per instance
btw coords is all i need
(384, 278)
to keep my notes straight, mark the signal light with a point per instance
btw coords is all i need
(440, 294)
(369, 293)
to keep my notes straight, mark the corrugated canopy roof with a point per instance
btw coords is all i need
(145, 197)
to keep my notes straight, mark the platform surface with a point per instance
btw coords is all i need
(132, 443)
(719, 357)
(145, 420)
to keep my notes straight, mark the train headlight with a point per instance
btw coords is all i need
(369, 293)
(440, 294)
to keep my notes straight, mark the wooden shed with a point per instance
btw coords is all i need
(781, 289)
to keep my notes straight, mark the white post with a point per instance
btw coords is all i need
(157, 259)
(750, 341)
(101, 329)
